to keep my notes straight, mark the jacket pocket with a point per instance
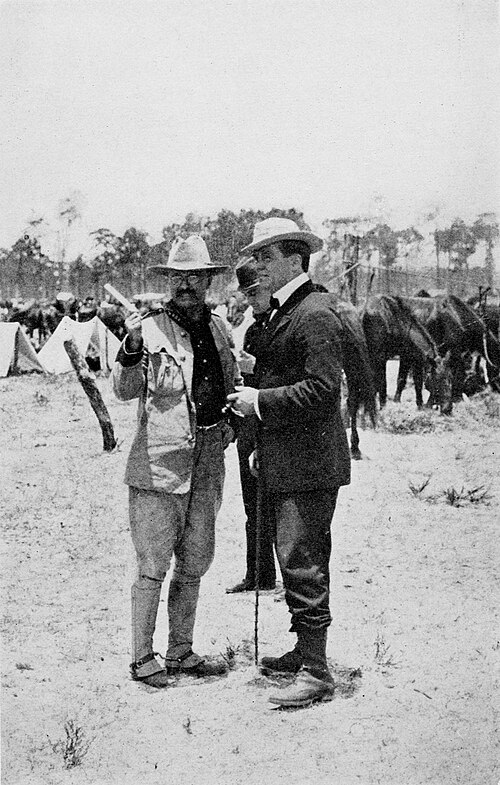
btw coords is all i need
(164, 374)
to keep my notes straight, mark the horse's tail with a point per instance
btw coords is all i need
(356, 362)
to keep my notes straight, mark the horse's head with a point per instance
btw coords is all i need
(439, 383)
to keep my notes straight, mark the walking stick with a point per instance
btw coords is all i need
(257, 567)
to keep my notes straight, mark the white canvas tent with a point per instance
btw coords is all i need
(92, 338)
(239, 332)
(16, 352)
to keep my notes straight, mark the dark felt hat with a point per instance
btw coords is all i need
(247, 275)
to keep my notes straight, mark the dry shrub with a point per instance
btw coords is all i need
(456, 498)
(74, 746)
(483, 407)
(416, 488)
(406, 418)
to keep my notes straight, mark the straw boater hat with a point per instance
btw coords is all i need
(272, 230)
(247, 275)
(188, 255)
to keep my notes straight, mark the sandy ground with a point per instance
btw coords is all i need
(414, 643)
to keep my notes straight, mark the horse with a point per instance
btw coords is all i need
(87, 310)
(391, 329)
(438, 381)
(459, 331)
(113, 316)
(55, 310)
(356, 366)
(30, 315)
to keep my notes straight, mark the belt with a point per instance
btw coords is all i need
(209, 427)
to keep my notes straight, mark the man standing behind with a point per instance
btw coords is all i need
(180, 366)
(302, 447)
(257, 296)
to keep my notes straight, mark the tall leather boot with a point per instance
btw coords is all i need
(314, 681)
(145, 600)
(290, 662)
(312, 646)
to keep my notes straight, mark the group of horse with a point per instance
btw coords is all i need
(450, 346)
(447, 344)
(40, 319)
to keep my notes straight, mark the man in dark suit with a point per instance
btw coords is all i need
(302, 448)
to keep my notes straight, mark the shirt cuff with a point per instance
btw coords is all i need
(256, 406)
(128, 359)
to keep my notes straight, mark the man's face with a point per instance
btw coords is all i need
(258, 298)
(189, 290)
(274, 269)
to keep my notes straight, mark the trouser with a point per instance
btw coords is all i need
(249, 489)
(303, 546)
(163, 525)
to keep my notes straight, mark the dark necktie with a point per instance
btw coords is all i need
(274, 303)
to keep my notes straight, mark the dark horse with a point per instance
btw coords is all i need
(356, 366)
(31, 316)
(392, 329)
(113, 316)
(459, 332)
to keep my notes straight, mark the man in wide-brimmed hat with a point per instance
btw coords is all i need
(257, 296)
(303, 455)
(180, 365)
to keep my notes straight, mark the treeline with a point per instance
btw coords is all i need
(27, 272)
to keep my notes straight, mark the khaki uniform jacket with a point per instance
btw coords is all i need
(161, 455)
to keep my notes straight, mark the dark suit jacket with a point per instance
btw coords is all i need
(302, 442)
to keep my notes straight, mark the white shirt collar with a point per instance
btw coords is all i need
(289, 288)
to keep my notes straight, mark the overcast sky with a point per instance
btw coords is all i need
(153, 109)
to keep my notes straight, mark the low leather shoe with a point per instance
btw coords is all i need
(192, 664)
(291, 662)
(240, 587)
(249, 586)
(148, 671)
(305, 690)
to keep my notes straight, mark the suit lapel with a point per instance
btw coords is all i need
(284, 314)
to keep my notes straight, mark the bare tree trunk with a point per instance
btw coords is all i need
(86, 380)
(489, 263)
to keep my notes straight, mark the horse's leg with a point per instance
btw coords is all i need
(418, 381)
(457, 365)
(404, 367)
(352, 406)
(382, 383)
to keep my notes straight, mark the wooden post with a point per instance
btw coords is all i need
(86, 380)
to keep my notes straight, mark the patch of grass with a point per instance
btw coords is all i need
(382, 652)
(24, 666)
(456, 498)
(347, 681)
(73, 398)
(187, 725)
(229, 655)
(40, 398)
(74, 746)
(417, 488)
(403, 419)
(483, 406)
